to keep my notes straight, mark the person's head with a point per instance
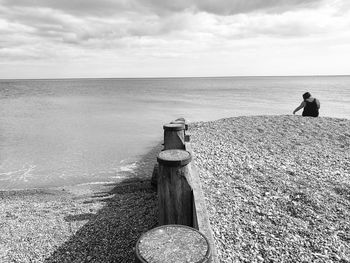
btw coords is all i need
(306, 95)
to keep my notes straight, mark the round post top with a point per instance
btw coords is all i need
(174, 126)
(173, 243)
(174, 157)
(180, 122)
(176, 122)
(181, 119)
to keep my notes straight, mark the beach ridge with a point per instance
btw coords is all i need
(277, 187)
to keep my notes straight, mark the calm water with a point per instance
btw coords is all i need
(60, 132)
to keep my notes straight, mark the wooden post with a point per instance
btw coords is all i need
(174, 191)
(174, 136)
(172, 243)
(179, 121)
(183, 121)
(154, 179)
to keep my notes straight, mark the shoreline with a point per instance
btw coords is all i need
(277, 188)
(142, 164)
(79, 223)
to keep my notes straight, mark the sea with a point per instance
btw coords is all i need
(60, 132)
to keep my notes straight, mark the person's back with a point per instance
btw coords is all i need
(311, 108)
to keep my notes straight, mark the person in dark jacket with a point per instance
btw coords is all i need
(311, 106)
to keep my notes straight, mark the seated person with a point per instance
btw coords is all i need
(311, 106)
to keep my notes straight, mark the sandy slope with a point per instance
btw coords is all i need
(277, 187)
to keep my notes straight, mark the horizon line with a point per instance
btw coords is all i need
(178, 77)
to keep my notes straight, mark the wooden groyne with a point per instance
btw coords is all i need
(181, 204)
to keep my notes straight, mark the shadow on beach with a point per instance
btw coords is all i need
(130, 209)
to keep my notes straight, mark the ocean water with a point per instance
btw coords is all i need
(76, 131)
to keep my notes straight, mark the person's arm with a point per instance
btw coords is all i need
(318, 103)
(302, 105)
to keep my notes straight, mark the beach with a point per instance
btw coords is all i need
(277, 188)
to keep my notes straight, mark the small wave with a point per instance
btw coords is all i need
(97, 183)
(128, 168)
(19, 175)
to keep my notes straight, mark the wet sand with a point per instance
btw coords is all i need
(81, 223)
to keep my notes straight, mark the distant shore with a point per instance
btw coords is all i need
(277, 187)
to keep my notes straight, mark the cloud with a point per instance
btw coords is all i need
(56, 26)
(130, 30)
(77, 7)
(230, 7)
(112, 7)
(54, 20)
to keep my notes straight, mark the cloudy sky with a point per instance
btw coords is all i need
(165, 38)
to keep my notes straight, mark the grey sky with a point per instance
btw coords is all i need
(144, 38)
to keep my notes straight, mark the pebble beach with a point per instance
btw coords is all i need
(277, 188)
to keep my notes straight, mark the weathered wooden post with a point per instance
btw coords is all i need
(183, 121)
(154, 178)
(174, 136)
(180, 121)
(174, 191)
(172, 243)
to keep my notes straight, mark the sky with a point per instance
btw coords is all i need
(167, 38)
